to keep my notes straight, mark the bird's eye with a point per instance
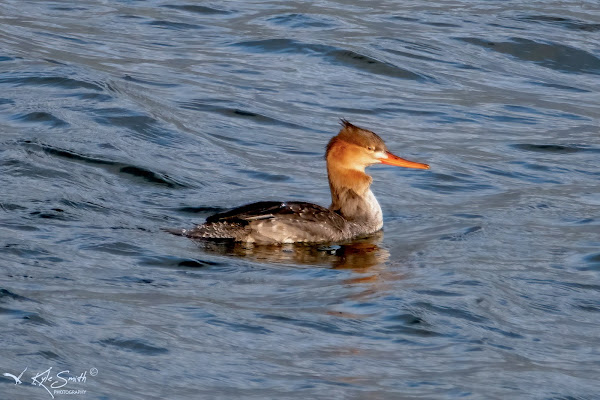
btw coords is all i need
(370, 148)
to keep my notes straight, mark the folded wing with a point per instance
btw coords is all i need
(271, 221)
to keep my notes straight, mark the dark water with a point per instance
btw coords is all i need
(121, 118)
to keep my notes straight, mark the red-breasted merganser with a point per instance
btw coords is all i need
(354, 211)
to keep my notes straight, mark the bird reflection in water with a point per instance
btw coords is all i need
(360, 255)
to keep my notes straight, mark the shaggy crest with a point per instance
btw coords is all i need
(361, 137)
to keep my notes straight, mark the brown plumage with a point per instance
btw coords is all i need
(354, 211)
(346, 163)
(353, 134)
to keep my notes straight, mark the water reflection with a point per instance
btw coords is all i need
(360, 255)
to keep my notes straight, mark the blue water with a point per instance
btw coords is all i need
(119, 119)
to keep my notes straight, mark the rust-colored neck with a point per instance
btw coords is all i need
(349, 185)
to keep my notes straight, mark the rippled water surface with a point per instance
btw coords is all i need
(120, 118)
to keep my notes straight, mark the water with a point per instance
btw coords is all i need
(119, 119)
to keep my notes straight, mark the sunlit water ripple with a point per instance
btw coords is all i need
(120, 119)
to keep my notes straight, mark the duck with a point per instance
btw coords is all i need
(354, 211)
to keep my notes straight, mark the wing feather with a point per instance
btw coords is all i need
(273, 221)
(291, 211)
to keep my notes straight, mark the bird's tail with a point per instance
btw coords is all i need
(177, 232)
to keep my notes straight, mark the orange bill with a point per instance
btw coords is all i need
(401, 162)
